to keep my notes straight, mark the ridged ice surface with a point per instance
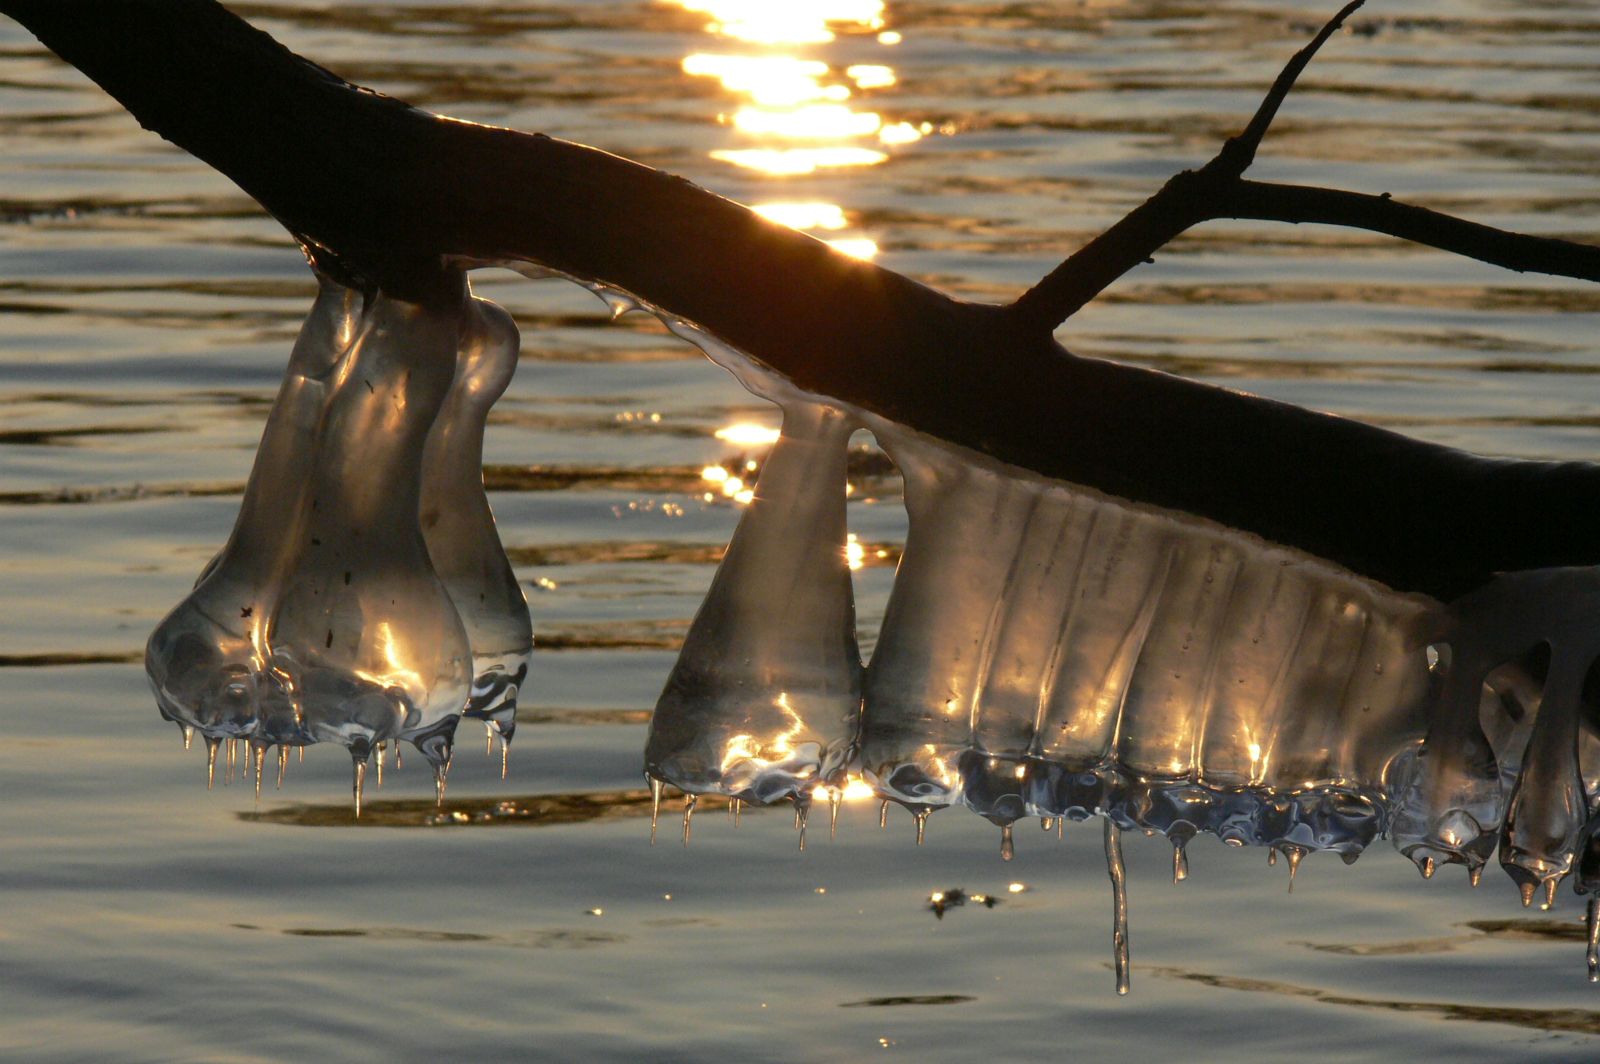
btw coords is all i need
(324, 617)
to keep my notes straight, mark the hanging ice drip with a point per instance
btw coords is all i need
(459, 527)
(764, 699)
(364, 636)
(207, 659)
(1512, 756)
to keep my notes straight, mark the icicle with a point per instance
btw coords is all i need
(358, 780)
(1475, 875)
(1119, 903)
(188, 734)
(920, 815)
(833, 812)
(1272, 857)
(259, 756)
(1047, 823)
(1592, 918)
(233, 754)
(283, 764)
(655, 806)
(1295, 854)
(688, 815)
(1008, 849)
(1180, 861)
(212, 743)
(883, 814)
(383, 754)
(738, 810)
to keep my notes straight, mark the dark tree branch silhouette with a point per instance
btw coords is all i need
(389, 196)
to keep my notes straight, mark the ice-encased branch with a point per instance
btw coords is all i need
(385, 193)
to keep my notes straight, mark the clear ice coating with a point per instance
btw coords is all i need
(324, 618)
(459, 527)
(1051, 651)
(764, 700)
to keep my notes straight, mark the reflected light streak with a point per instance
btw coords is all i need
(770, 80)
(794, 161)
(813, 215)
(870, 75)
(791, 22)
(856, 247)
(748, 434)
(816, 121)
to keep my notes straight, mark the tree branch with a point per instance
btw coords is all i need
(392, 194)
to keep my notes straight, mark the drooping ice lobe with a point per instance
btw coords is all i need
(763, 702)
(1052, 651)
(364, 634)
(459, 527)
(206, 660)
(1512, 758)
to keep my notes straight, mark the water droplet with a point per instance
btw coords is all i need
(655, 806)
(689, 801)
(1272, 857)
(1295, 854)
(1119, 903)
(1008, 848)
(211, 761)
(1180, 861)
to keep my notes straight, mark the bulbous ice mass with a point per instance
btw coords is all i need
(324, 618)
(459, 526)
(763, 701)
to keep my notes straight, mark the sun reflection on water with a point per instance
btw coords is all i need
(800, 111)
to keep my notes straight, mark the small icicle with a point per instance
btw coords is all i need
(883, 814)
(1526, 889)
(188, 735)
(441, 773)
(1008, 848)
(505, 756)
(1272, 857)
(738, 810)
(1295, 854)
(211, 761)
(688, 815)
(1119, 903)
(488, 739)
(1593, 917)
(833, 813)
(1180, 861)
(302, 756)
(227, 775)
(1061, 828)
(921, 816)
(1549, 893)
(1428, 868)
(1047, 823)
(283, 764)
(655, 806)
(383, 755)
(1475, 875)
(359, 782)
(802, 810)
(397, 761)
(259, 756)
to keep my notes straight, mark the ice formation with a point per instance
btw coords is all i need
(1054, 652)
(324, 618)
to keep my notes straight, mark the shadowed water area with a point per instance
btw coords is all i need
(146, 312)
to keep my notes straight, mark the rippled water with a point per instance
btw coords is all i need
(146, 314)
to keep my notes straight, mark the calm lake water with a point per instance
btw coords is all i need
(146, 313)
